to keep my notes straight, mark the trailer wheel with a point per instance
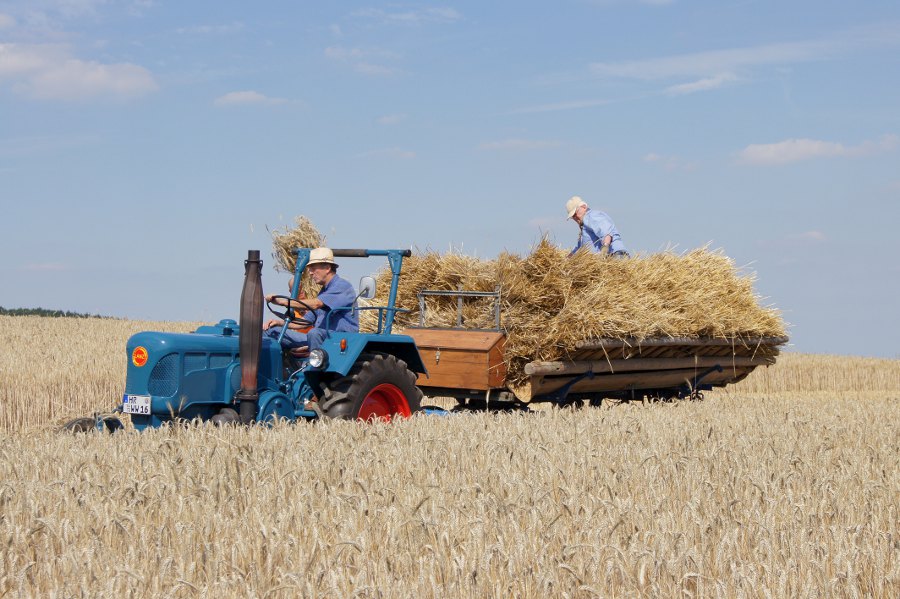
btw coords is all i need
(378, 387)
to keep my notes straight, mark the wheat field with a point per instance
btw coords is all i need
(784, 485)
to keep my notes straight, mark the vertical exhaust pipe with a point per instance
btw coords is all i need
(250, 339)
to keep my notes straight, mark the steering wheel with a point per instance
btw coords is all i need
(282, 312)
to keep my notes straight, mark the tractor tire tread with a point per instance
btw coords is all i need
(343, 397)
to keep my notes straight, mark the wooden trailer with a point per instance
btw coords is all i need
(470, 365)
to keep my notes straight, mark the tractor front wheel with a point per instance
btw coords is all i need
(87, 424)
(80, 425)
(378, 387)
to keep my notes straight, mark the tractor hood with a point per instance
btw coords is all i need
(187, 374)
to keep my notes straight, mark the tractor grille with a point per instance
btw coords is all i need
(164, 378)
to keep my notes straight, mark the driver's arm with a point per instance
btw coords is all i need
(314, 303)
(309, 315)
(272, 322)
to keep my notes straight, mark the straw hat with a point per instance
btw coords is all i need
(321, 256)
(573, 204)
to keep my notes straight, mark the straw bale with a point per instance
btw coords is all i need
(550, 300)
(304, 234)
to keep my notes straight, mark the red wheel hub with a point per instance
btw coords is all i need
(384, 402)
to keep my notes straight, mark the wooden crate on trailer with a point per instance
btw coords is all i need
(461, 359)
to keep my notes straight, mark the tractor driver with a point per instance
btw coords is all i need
(335, 293)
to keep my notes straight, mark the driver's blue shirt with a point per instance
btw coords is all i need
(337, 293)
(598, 225)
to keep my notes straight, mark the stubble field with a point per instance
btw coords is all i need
(785, 485)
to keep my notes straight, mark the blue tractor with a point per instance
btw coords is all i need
(230, 373)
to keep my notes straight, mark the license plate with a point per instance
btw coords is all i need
(136, 404)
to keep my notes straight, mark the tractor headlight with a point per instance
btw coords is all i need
(318, 358)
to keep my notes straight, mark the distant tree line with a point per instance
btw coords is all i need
(46, 312)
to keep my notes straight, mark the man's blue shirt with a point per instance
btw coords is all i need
(337, 293)
(598, 225)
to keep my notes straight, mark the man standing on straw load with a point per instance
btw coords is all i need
(335, 293)
(597, 230)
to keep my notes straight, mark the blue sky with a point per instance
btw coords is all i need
(146, 145)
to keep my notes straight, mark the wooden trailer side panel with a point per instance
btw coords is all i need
(461, 359)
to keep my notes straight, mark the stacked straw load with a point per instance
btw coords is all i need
(304, 234)
(549, 301)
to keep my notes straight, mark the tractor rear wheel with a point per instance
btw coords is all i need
(378, 387)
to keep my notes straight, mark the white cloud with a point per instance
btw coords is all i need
(709, 64)
(78, 80)
(410, 17)
(73, 8)
(6, 21)
(705, 84)
(53, 15)
(244, 98)
(343, 54)
(519, 144)
(571, 105)
(49, 72)
(377, 70)
(393, 153)
(794, 150)
(362, 61)
(17, 60)
(646, 2)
